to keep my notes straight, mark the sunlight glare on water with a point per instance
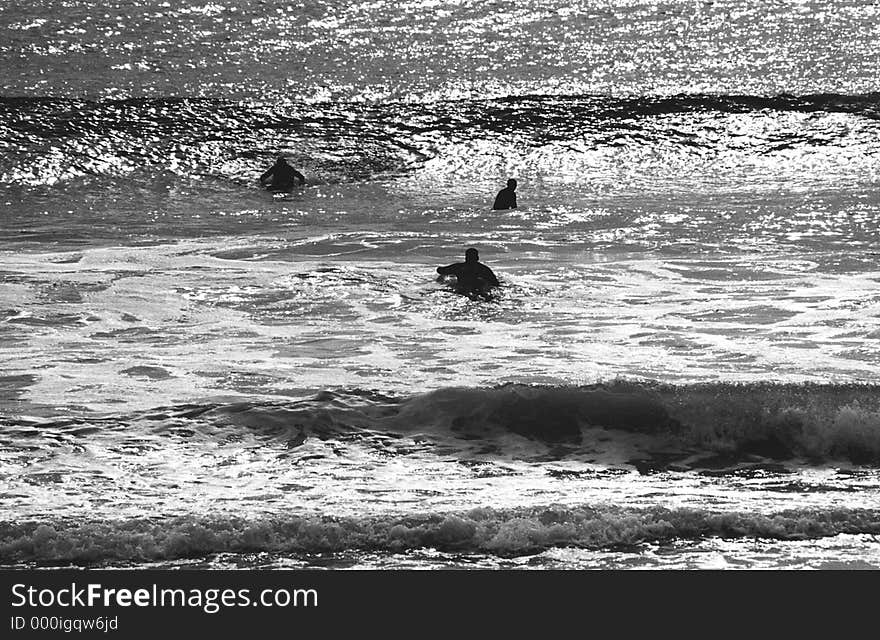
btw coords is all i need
(679, 368)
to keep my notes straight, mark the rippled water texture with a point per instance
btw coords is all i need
(421, 51)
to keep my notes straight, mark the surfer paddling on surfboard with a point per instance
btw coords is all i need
(281, 176)
(473, 277)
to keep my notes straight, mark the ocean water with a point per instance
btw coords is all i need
(680, 369)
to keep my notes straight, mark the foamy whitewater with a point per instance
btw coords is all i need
(679, 371)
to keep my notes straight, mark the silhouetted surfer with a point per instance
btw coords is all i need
(283, 176)
(473, 277)
(506, 198)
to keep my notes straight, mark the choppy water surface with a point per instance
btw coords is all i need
(337, 50)
(680, 368)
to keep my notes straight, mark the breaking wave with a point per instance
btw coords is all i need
(814, 423)
(482, 530)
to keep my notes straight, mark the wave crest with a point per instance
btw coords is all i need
(483, 530)
(814, 423)
(46, 140)
(817, 422)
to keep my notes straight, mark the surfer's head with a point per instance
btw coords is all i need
(471, 255)
(511, 184)
(280, 160)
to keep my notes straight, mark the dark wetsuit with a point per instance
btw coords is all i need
(283, 176)
(473, 277)
(506, 199)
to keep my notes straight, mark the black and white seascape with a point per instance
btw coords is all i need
(680, 369)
